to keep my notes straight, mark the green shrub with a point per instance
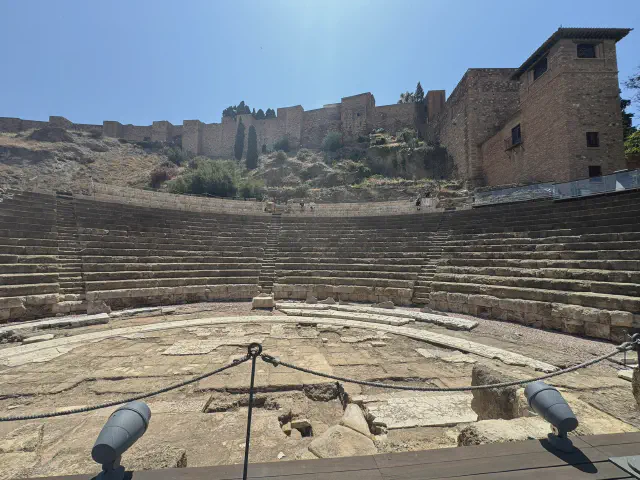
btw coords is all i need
(406, 135)
(282, 144)
(332, 142)
(161, 174)
(212, 177)
(360, 169)
(281, 157)
(264, 149)
(632, 144)
(362, 139)
(176, 155)
(95, 134)
(356, 155)
(251, 188)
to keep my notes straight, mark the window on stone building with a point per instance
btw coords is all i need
(539, 68)
(516, 136)
(586, 50)
(593, 139)
(595, 171)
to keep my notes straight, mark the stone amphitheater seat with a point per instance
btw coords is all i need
(370, 259)
(570, 266)
(28, 249)
(146, 256)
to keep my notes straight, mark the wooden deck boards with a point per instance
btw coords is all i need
(528, 460)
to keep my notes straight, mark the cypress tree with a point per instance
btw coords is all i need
(239, 145)
(419, 95)
(252, 149)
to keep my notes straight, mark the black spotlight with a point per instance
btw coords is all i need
(124, 427)
(547, 402)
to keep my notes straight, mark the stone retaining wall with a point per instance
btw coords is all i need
(145, 198)
(573, 319)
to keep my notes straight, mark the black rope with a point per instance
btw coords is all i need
(621, 348)
(126, 400)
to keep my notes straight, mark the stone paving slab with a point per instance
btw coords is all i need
(72, 321)
(451, 357)
(453, 323)
(626, 374)
(364, 317)
(7, 355)
(410, 410)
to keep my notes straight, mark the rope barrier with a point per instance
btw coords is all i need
(255, 350)
(621, 348)
(235, 363)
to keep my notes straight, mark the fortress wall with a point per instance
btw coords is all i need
(29, 124)
(112, 129)
(501, 166)
(395, 117)
(476, 110)
(86, 127)
(211, 139)
(356, 114)
(136, 134)
(317, 123)
(161, 131)
(177, 131)
(10, 124)
(192, 136)
(452, 127)
(292, 118)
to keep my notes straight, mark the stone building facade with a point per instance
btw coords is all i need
(555, 118)
(567, 123)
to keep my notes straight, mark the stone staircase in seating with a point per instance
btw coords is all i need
(267, 270)
(439, 239)
(70, 276)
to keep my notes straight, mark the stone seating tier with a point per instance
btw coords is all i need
(571, 266)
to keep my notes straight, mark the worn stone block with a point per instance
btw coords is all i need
(621, 319)
(597, 330)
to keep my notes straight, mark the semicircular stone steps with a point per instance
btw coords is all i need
(389, 316)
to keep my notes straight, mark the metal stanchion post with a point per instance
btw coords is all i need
(255, 349)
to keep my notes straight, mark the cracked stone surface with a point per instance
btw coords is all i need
(148, 350)
(417, 409)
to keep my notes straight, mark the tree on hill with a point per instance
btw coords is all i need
(252, 149)
(270, 113)
(406, 97)
(239, 145)
(260, 114)
(418, 96)
(234, 111)
(627, 119)
(633, 83)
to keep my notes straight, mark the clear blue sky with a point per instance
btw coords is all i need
(137, 61)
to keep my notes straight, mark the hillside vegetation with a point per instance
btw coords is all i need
(56, 159)
(380, 166)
